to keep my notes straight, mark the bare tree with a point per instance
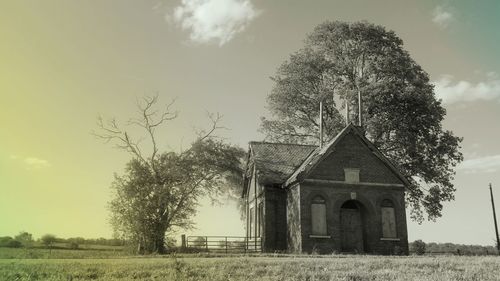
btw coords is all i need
(149, 119)
(160, 190)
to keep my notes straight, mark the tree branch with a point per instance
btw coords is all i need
(148, 120)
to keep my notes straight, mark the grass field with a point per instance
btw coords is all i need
(37, 253)
(193, 267)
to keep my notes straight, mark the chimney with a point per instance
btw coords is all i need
(360, 122)
(346, 112)
(321, 124)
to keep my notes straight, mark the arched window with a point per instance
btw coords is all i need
(388, 219)
(318, 216)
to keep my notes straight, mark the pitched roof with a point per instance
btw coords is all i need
(321, 152)
(285, 163)
(277, 161)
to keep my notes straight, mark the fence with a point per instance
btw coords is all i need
(223, 244)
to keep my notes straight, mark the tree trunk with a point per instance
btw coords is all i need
(158, 242)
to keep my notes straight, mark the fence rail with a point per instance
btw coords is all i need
(223, 244)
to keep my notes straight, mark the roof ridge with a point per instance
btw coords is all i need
(282, 143)
(318, 154)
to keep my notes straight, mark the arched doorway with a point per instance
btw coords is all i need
(351, 225)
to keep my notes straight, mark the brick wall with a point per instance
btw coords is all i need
(351, 153)
(370, 198)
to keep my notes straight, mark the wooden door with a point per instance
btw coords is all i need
(352, 230)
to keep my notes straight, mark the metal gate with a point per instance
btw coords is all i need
(223, 244)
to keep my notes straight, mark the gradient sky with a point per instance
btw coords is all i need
(64, 62)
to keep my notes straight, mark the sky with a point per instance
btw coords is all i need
(64, 62)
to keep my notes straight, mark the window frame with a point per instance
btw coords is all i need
(259, 219)
(386, 217)
(318, 204)
(250, 222)
(352, 175)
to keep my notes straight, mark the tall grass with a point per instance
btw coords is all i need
(37, 253)
(291, 268)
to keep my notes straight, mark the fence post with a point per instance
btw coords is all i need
(183, 239)
(226, 244)
(206, 242)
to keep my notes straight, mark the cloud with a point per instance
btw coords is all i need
(451, 91)
(36, 163)
(442, 16)
(487, 164)
(31, 162)
(214, 20)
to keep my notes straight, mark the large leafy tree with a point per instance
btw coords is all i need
(25, 238)
(159, 191)
(399, 111)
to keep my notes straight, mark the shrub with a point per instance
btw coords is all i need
(5, 240)
(14, 244)
(48, 240)
(73, 245)
(25, 238)
(418, 247)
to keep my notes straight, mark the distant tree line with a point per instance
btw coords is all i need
(420, 248)
(49, 241)
(26, 240)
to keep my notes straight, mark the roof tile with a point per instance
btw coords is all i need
(277, 161)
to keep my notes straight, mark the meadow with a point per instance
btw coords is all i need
(255, 267)
(60, 253)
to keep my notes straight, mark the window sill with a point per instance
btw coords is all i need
(320, 236)
(390, 239)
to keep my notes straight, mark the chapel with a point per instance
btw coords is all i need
(343, 196)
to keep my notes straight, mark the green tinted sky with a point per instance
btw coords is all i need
(64, 62)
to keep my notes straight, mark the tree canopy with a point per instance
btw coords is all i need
(400, 113)
(48, 240)
(159, 192)
(25, 238)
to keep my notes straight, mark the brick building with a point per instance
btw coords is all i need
(342, 197)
